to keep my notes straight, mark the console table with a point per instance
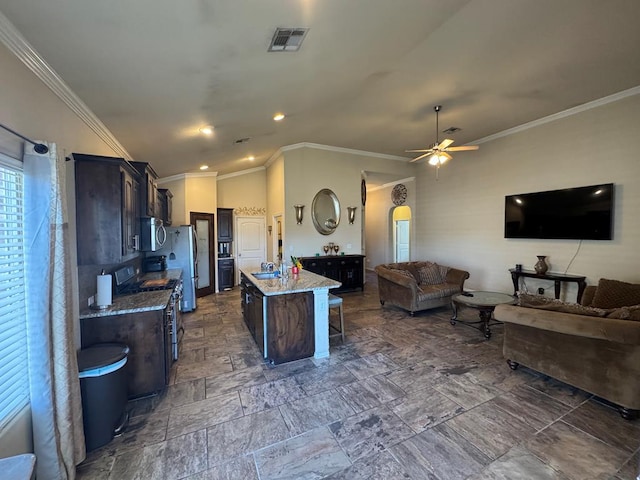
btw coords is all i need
(347, 269)
(557, 278)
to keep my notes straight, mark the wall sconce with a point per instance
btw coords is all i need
(299, 209)
(351, 214)
(269, 229)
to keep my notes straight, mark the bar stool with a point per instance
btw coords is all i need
(336, 302)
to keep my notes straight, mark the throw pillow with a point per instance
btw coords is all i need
(430, 274)
(546, 303)
(443, 272)
(626, 313)
(615, 294)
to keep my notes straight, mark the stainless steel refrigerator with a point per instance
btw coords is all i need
(181, 250)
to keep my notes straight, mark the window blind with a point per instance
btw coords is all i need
(14, 381)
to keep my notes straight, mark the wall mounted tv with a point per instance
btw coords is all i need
(583, 213)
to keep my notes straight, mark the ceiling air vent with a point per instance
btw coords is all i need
(242, 140)
(287, 39)
(452, 130)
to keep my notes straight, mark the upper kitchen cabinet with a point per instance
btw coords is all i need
(225, 224)
(107, 210)
(164, 205)
(148, 189)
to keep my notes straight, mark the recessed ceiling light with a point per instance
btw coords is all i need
(208, 130)
(278, 117)
(204, 167)
(251, 158)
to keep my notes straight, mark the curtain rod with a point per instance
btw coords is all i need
(37, 147)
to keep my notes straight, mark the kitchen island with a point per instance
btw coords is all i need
(288, 317)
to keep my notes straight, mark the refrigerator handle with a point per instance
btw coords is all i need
(195, 244)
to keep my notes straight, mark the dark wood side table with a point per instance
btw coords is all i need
(557, 278)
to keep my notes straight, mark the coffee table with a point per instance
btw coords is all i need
(485, 303)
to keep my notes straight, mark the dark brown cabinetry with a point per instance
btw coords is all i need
(164, 205)
(225, 224)
(252, 311)
(290, 327)
(347, 269)
(107, 209)
(225, 273)
(149, 339)
(148, 189)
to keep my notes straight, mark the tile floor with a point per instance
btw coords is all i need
(403, 398)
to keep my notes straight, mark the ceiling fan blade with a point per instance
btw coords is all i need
(421, 156)
(423, 150)
(445, 143)
(449, 157)
(463, 148)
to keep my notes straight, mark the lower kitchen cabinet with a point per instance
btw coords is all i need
(149, 339)
(347, 269)
(225, 273)
(290, 327)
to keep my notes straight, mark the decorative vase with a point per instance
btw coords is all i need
(541, 266)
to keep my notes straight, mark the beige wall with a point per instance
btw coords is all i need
(379, 224)
(200, 194)
(30, 108)
(307, 170)
(191, 193)
(275, 201)
(177, 186)
(247, 190)
(460, 216)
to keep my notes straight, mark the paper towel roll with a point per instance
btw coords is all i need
(103, 297)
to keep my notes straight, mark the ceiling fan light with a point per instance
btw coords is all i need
(434, 160)
(442, 159)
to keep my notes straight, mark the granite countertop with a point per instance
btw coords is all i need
(304, 281)
(137, 302)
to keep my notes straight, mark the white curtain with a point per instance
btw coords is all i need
(55, 389)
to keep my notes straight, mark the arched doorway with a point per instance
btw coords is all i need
(401, 226)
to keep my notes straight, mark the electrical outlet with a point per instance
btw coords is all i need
(349, 246)
(541, 291)
(91, 300)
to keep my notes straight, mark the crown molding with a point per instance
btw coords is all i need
(352, 151)
(565, 113)
(391, 184)
(18, 45)
(185, 176)
(242, 172)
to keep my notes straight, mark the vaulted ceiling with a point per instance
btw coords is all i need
(367, 75)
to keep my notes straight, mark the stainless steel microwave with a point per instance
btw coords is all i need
(152, 234)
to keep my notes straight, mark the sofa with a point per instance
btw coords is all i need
(416, 286)
(594, 345)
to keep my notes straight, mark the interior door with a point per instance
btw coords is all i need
(402, 241)
(251, 244)
(203, 222)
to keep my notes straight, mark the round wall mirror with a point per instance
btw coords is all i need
(325, 211)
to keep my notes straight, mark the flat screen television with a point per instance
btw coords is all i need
(583, 213)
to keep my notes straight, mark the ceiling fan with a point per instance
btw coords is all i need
(438, 152)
